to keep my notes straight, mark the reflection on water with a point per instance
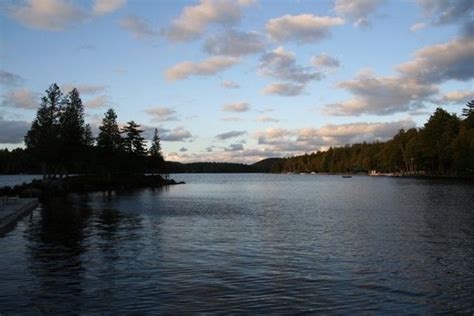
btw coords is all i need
(247, 243)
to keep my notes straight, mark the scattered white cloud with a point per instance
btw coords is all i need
(84, 89)
(50, 15)
(231, 134)
(206, 67)
(281, 64)
(231, 119)
(177, 134)
(107, 6)
(139, 27)
(266, 119)
(9, 79)
(235, 147)
(97, 102)
(195, 19)
(381, 95)
(162, 114)
(447, 11)
(21, 98)
(324, 60)
(229, 84)
(304, 28)
(457, 97)
(453, 60)
(284, 89)
(183, 149)
(357, 10)
(236, 107)
(235, 43)
(417, 27)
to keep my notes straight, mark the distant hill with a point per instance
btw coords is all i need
(262, 166)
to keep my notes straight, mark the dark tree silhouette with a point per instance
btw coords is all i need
(42, 140)
(109, 139)
(133, 142)
(155, 156)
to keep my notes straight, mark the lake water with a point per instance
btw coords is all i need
(248, 243)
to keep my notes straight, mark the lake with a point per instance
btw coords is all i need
(264, 243)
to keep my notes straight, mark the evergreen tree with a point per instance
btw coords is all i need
(468, 113)
(133, 141)
(72, 129)
(43, 137)
(156, 157)
(155, 149)
(109, 136)
(88, 138)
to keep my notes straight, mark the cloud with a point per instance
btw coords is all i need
(417, 27)
(231, 119)
(206, 67)
(351, 133)
(58, 15)
(234, 43)
(231, 134)
(139, 27)
(21, 98)
(229, 84)
(457, 97)
(162, 114)
(357, 10)
(183, 149)
(235, 147)
(453, 60)
(324, 60)
(13, 132)
(281, 64)
(97, 102)
(84, 88)
(107, 6)
(284, 89)
(50, 15)
(236, 107)
(9, 79)
(381, 95)
(266, 119)
(447, 11)
(177, 134)
(304, 28)
(194, 19)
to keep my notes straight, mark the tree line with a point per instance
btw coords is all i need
(443, 146)
(59, 142)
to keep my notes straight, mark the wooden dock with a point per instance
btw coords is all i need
(12, 210)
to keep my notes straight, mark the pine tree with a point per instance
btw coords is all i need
(469, 110)
(88, 138)
(109, 136)
(43, 137)
(156, 157)
(134, 142)
(155, 149)
(72, 130)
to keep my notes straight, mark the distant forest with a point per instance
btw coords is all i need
(60, 143)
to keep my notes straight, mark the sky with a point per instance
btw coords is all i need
(240, 80)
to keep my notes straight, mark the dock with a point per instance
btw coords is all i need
(12, 210)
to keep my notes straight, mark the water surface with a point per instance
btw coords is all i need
(248, 243)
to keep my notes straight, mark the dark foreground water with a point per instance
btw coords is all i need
(248, 243)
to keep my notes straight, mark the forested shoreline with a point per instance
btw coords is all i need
(444, 146)
(60, 143)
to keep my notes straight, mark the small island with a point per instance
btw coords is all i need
(72, 160)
